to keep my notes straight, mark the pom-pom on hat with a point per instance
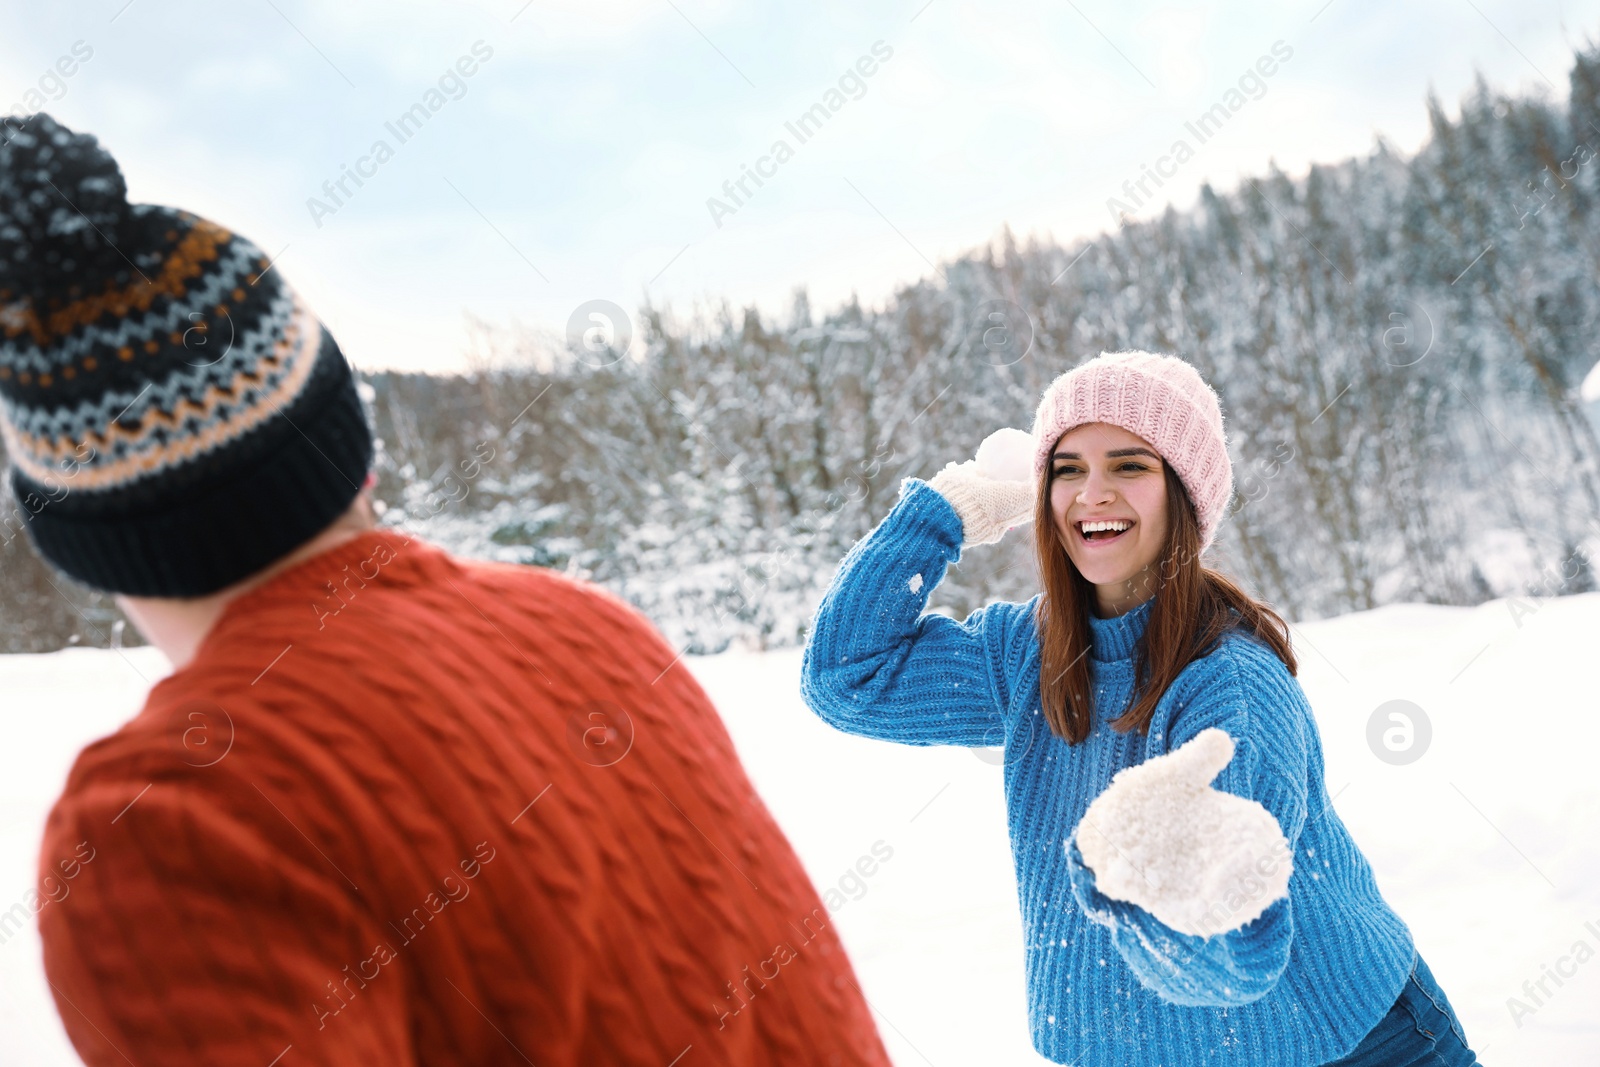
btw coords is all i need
(1164, 400)
(176, 418)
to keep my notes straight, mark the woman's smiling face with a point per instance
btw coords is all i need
(1103, 473)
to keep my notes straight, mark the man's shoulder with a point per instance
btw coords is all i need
(570, 598)
(175, 741)
(375, 593)
(533, 577)
(512, 577)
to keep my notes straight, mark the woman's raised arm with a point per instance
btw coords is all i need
(876, 666)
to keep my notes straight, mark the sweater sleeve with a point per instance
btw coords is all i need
(204, 929)
(1242, 695)
(877, 666)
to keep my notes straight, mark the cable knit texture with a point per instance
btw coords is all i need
(405, 809)
(1108, 984)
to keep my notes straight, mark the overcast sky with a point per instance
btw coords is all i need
(576, 161)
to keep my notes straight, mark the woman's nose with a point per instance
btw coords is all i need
(1095, 490)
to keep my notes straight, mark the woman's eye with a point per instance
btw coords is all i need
(1125, 467)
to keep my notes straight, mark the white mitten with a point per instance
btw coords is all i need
(993, 492)
(1200, 860)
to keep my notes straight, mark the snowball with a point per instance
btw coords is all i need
(1590, 389)
(1007, 455)
(915, 584)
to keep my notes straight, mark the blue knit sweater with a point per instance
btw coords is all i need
(1108, 984)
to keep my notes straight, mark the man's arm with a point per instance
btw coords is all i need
(207, 930)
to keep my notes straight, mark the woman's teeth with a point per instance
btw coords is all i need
(1104, 530)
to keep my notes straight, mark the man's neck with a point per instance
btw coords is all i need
(178, 626)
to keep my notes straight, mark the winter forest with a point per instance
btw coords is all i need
(1399, 344)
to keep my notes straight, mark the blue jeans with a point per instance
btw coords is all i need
(1421, 1030)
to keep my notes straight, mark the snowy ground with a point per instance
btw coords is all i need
(1487, 844)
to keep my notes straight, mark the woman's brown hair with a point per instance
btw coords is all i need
(1194, 606)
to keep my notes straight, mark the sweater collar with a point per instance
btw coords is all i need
(316, 578)
(1117, 638)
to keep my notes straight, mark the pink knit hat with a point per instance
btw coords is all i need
(1162, 399)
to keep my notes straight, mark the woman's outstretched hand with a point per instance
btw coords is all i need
(1202, 861)
(993, 492)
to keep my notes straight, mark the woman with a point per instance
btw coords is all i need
(1209, 907)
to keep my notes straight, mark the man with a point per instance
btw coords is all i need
(391, 807)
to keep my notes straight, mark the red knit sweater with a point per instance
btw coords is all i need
(406, 809)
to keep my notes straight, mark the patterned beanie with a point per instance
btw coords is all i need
(1162, 399)
(175, 417)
